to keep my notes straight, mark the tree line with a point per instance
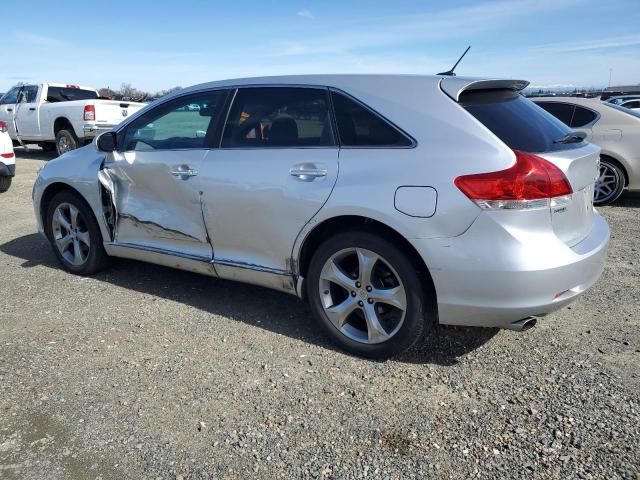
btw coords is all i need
(128, 92)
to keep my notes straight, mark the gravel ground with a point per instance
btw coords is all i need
(147, 372)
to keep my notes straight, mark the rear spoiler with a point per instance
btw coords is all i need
(455, 86)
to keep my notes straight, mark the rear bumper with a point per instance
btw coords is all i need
(489, 278)
(7, 170)
(91, 130)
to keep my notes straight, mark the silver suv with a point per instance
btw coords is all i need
(390, 203)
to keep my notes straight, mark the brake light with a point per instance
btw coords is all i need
(7, 155)
(532, 182)
(89, 113)
(73, 86)
(3, 127)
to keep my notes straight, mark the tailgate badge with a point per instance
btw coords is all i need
(124, 113)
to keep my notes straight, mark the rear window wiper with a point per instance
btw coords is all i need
(573, 137)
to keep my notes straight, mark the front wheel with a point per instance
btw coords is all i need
(610, 183)
(367, 295)
(74, 234)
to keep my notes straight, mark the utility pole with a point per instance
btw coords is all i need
(610, 71)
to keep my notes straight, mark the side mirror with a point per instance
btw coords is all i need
(107, 142)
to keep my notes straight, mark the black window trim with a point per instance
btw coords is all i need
(412, 141)
(233, 90)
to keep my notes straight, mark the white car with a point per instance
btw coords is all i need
(7, 158)
(59, 116)
(390, 203)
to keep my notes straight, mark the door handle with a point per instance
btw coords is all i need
(33, 109)
(9, 109)
(184, 172)
(308, 174)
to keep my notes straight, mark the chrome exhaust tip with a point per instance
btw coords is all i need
(522, 325)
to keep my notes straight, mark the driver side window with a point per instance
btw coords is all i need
(188, 122)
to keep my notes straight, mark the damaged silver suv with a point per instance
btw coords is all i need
(390, 203)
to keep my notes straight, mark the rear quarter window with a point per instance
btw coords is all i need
(517, 121)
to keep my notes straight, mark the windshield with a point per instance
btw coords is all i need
(628, 111)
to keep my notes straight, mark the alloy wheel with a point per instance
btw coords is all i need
(607, 183)
(64, 145)
(70, 234)
(362, 295)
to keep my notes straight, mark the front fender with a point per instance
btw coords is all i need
(77, 170)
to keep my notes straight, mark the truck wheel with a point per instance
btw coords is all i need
(66, 141)
(5, 183)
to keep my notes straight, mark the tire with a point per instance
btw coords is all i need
(326, 290)
(66, 141)
(49, 146)
(610, 183)
(90, 256)
(5, 183)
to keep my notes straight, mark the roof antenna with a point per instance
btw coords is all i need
(449, 73)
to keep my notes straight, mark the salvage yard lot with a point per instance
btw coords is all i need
(147, 372)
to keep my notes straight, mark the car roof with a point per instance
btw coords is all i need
(452, 85)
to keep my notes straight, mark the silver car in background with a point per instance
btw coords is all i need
(613, 128)
(390, 203)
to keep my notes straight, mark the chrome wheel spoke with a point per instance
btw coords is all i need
(334, 274)
(73, 213)
(375, 331)
(61, 220)
(366, 262)
(391, 296)
(64, 242)
(77, 253)
(84, 237)
(338, 314)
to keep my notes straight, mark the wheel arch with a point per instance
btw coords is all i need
(51, 191)
(344, 223)
(62, 123)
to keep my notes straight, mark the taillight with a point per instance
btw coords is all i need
(89, 113)
(3, 127)
(7, 155)
(532, 182)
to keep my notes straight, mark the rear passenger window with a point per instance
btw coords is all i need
(562, 111)
(582, 116)
(279, 117)
(517, 121)
(360, 127)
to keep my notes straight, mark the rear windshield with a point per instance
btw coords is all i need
(517, 121)
(63, 94)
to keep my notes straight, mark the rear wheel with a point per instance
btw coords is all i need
(610, 182)
(367, 295)
(66, 141)
(74, 234)
(5, 183)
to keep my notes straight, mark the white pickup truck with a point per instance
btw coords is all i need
(59, 116)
